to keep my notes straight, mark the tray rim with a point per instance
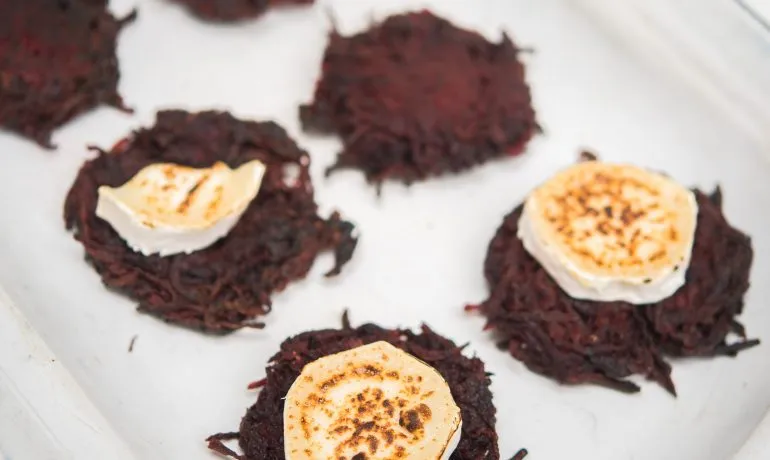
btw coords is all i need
(60, 414)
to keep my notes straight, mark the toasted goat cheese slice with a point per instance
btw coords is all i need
(371, 402)
(611, 232)
(168, 209)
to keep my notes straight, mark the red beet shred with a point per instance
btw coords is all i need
(57, 61)
(577, 341)
(261, 432)
(226, 286)
(234, 10)
(414, 96)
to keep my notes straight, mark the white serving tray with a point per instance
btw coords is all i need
(684, 88)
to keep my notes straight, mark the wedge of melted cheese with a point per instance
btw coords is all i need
(370, 402)
(608, 232)
(168, 209)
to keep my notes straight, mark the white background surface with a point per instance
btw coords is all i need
(422, 248)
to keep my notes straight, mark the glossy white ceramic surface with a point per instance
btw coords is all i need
(610, 80)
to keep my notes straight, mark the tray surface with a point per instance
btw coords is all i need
(422, 248)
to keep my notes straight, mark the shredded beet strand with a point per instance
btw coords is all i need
(520, 455)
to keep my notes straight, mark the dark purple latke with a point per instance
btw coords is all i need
(414, 96)
(226, 286)
(576, 341)
(261, 432)
(57, 61)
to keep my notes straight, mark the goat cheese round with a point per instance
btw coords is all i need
(611, 232)
(168, 209)
(373, 401)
